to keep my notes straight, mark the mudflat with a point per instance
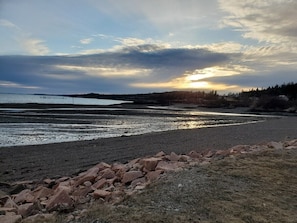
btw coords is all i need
(37, 162)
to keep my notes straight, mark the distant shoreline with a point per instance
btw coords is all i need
(58, 159)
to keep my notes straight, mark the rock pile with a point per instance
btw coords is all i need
(107, 182)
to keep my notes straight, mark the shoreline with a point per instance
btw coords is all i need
(43, 125)
(37, 162)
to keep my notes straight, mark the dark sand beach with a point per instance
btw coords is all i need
(37, 162)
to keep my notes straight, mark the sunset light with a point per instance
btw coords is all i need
(137, 47)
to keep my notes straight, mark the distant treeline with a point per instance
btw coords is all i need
(164, 98)
(289, 90)
(276, 98)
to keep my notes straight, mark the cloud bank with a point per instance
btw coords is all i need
(127, 67)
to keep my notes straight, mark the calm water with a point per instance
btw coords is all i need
(41, 126)
(52, 99)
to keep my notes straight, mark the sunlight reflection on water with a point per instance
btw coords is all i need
(41, 126)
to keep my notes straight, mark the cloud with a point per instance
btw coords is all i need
(86, 41)
(109, 72)
(9, 84)
(6, 23)
(121, 69)
(34, 46)
(272, 24)
(201, 79)
(25, 40)
(257, 79)
(267, 20)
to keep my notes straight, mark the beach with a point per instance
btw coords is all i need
(37, 162)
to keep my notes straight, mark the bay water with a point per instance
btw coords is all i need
(29, 126)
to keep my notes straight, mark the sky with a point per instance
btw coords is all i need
(144, 46)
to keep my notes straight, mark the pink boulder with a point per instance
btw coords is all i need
(153, 175)
(160, 154)
(173, 156)
(99, 184)
(41, 192)
(10, 218)
(194, 154)
(167, 166)
(26, 209)
(102, 166)
(60, 201)
(107, 173)
(150, 163)
(101, 194)
(9, 203)
(24, 196)
(131, 175)
(89, 175)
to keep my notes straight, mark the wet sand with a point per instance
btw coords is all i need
(53, 160)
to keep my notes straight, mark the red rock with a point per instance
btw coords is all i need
(41, 192)
(167, 166)
(111, 181)
(150, 163)
(101, 194)
(239, 149)
(193, 154)
(255, 148)
(120, 169)
(275, 145)
(160, 154)
(60, 201)
(24, 196)
(48, 181)
(119, 166)
(87, 184)
(82, 192)
(184, 158)
(68, 189)
(26, 209)
(209, 154)
(5, 210)
(292, 142)
(63, 183)
(136, 166)
(10, 218)
(107, 173)
(131, 175)
(173, 156)
(222, 153)
(8, 202)
(89, 175)
(153, 175)
(62, 179)
(103, 166)
(99, 184)
(132, 162)
(291, 147)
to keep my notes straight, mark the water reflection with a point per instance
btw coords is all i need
(35, 127)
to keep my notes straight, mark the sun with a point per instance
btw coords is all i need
(200, 79)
